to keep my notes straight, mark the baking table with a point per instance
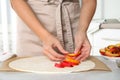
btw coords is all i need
(90, 75)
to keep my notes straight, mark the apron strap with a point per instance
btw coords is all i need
(68, 26)
(44, 0)
(60, 1)
(59, 27)
(59, 22)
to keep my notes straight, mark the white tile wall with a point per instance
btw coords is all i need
(107, 9)
(112, 8)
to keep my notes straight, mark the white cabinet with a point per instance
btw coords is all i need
(107, 9)
(111, 8)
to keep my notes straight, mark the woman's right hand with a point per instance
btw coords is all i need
(49, 45)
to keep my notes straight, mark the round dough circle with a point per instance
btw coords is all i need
(42, 64)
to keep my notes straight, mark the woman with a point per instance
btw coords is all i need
(53, 27)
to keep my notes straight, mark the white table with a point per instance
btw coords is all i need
(92, 75)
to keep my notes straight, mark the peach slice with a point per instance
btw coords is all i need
(102, 51)
(74, 54)
(107, 53)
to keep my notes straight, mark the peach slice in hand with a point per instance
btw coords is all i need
(74, 54)
(71, 60)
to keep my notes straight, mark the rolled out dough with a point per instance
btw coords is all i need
(42, 64)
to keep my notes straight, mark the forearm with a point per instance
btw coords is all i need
(86, 13)
(27, 15)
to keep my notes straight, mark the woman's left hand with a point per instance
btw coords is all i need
(82, 44)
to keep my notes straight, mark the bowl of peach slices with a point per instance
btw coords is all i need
(111, 52)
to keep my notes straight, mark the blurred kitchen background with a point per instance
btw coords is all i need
(104, 28)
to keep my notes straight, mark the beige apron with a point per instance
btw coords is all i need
(59, 17)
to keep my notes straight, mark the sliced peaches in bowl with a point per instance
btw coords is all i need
(111, 51)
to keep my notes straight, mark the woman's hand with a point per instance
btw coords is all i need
(82, 44)
(81, 40)
(49, 45)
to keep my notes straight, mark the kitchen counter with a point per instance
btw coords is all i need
(91, 75)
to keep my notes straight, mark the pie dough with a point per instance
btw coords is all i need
(42, 64)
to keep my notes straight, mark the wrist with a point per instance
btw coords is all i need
(82, 28)
(44, 36)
